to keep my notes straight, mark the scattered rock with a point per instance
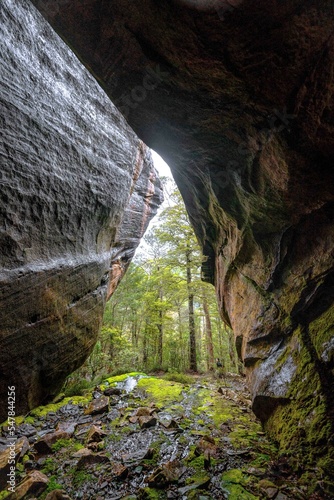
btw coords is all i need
(166, 474)
(68, 427)
(81, 453)
(112, 391)
(144, 412)
(44, 445)
(207, 446)
(146, 422)
(269, 488)
(97, 406)
(169, 424)
(57, 495)
(119, 471)
(95, 434)
(34, 484)
(27, 430)
(91, 459)
(139, 455)
(201, 484)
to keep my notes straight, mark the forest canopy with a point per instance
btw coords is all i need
(162, 315)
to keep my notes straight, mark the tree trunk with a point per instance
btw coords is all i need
(208, 331)
(145, 355)
(192, 332)
(160, 326)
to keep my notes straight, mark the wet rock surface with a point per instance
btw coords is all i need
(216, 451)
(237, 96)
(77, 190)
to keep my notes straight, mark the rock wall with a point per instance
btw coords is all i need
(78, 189)
(238, 99)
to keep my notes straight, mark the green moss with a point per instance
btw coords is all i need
(234, 482)
(149, 494)
(237, 492)
(179, 377)
(112, 381)
(52, 485)
(61, 443)
(4, 494)
(322, 330)
(161, 391)
(81, 476)
(42, 411)
(49, 467)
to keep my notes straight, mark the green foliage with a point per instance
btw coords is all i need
(148, 323)
(52, 485)
(179, 377)
(61, 443)
(77, 388)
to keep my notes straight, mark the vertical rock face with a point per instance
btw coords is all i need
(238, 99)
(78, 189)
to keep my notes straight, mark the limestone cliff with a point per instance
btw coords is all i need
(238, 99)
(78, 189)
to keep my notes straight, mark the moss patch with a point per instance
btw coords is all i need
(42, 411)
(161, 391)
(112, 381)
(234, 482)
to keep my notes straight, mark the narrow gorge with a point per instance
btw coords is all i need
(237, 97)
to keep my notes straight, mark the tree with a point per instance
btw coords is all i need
(183, 253)
(162, 316)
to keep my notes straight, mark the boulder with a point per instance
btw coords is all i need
(91, 458)
(95, 434)
(78, 189)
(119, 471)
(32, 485)
(13, 452)
(97, 406)
(44, 445)
(146, 422)
(166, 474)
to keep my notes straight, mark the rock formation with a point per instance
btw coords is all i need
(237, 97)
(78, 189)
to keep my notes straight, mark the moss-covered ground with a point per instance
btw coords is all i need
(188, 438)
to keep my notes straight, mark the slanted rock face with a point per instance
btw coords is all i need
(78, 189)
(238, 99)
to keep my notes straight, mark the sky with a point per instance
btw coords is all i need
(161, 165)
(163, 171)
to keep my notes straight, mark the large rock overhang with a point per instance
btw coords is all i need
(77, 191)
(238, 99)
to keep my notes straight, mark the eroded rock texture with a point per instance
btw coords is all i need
(238, 99)
(77, 191)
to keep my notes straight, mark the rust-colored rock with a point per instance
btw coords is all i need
(77, 190)
(8, 458)
(146, 422)
(33, 485)
(119, 471)
(95, 434)
(166, 474)
(57, 495)
(97, 406)
(89, 458)
(44, 445)
(239, 102)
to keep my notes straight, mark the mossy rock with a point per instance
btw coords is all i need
(234, 484)
(161, 391)
(112, 381)
(42, 411)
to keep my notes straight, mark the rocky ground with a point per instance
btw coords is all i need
(139, 437)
